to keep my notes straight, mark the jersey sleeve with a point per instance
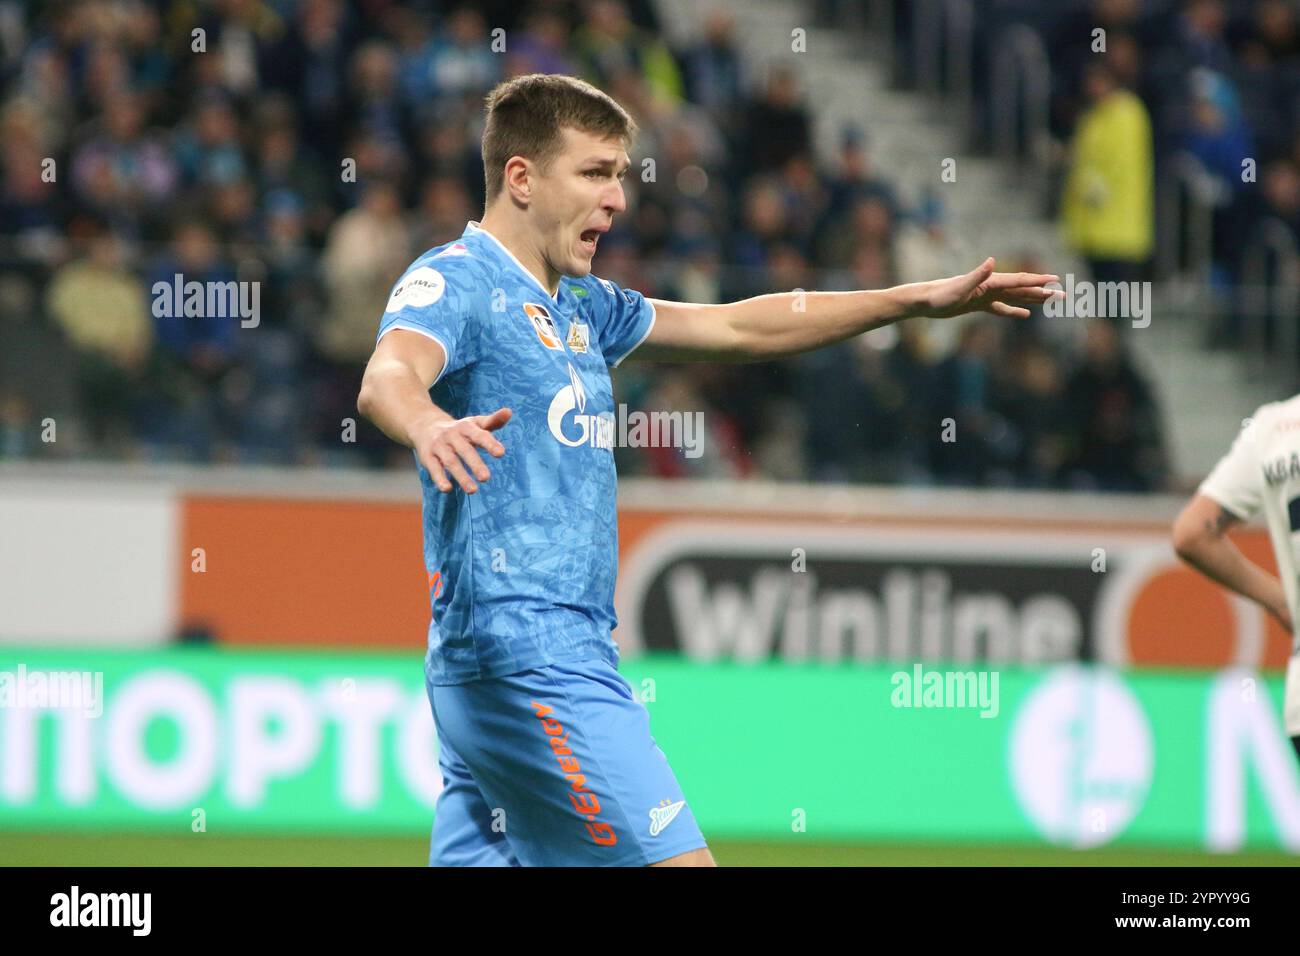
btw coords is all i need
(435, 298)
(1236, 482)
(622, 319)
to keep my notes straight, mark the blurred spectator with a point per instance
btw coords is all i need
(1115, 440)
(698, 279)
(965, 433)
(1267, 237)
(1199, 35)
(46, 85)
(283, 167)
(543, 46)
(410, 31)
(36, 382)
(445, 207)
(103, 312)
(714, 69)
(208, 150)
(1072, 39)
(368, 249)
(806, 196)
(1279, 199)
(857, 430)
(310, 64)
(928, 249)
(234, 34)
(194, 353)
(374, 96)
(1108, 204)
(1031, 406)
(763, 224)
(864, 241)
(608, 44)
(908, 371)
(1266, 74)
(853, 179)
(291, 294)
(30, 200)
(1216, 134)
(121, 172)
(445, 149)
(775, 127)
(460, 60)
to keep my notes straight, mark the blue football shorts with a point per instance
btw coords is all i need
(553, 766)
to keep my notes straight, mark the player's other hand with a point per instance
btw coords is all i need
(983, 290)
(447, 447)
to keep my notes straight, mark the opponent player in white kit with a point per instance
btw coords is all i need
(1261, 471)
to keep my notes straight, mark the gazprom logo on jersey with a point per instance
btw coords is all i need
(569, 423)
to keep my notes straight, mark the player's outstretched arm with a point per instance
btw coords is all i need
(786, 323)
(395, 396)
(1200, 536)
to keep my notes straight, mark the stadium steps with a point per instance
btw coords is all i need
(1203, 395)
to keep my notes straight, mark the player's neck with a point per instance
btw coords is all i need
(527, 253)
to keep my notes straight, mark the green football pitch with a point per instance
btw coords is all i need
(204, 849)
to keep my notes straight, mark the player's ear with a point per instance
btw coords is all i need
(518, 178)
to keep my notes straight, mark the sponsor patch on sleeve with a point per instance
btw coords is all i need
(424, 286)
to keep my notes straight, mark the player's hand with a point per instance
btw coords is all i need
(983, 290)
(446, 447)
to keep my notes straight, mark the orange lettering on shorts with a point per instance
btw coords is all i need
(583, 799)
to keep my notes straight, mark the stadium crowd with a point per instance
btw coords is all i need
(1154, 91)
(316, 147)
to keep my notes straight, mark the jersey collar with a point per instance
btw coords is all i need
(473, 227)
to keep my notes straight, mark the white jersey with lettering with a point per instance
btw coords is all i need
(1261, 472)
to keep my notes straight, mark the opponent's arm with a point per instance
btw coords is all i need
(785, 323)
(1200, 537)
(395, 396)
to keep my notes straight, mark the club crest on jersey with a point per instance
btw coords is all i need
(578, 336)
(543, 325)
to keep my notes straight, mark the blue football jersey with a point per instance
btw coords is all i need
(522, 572)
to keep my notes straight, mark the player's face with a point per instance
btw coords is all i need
(583, 189)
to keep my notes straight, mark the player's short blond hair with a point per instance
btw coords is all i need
(526, 114)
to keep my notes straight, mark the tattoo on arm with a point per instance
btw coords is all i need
(1221, 522)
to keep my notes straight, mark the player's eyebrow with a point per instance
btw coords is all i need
(606, 163)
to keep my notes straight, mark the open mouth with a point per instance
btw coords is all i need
(589, 239)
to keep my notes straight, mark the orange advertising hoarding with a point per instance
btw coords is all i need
(836, 576)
